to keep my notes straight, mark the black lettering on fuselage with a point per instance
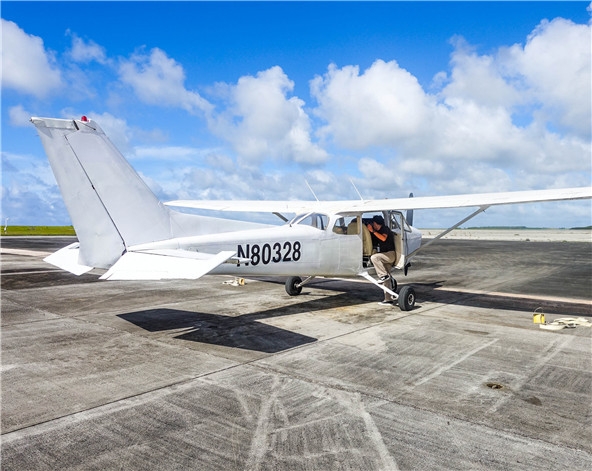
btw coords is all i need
(268, 253)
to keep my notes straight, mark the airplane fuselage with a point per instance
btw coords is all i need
(294, 249)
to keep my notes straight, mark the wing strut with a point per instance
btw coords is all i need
(281, 216)
(450, 229)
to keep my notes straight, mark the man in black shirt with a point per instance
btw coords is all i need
(385, 257)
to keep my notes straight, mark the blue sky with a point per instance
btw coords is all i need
(225, 100)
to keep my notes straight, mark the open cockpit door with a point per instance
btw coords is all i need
(407, 238)
(397, 224)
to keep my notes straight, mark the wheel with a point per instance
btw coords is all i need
(406, 298)
(292, 287)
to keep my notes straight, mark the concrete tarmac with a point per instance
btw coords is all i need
(205, 375)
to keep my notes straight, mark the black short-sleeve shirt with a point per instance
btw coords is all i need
(389, 244)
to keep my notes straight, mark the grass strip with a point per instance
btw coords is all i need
(37, 231)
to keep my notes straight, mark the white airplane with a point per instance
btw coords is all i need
(124, 229)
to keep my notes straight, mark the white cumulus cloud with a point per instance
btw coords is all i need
(555, 67)
(261, 121)
(478, 78)
(26, 65)
(159, 80)
(513, 118)
(87, 51)
(19, 116)
(380, 107)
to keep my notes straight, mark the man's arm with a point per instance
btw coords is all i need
(379, 235)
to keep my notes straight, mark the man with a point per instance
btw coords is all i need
(385, 256)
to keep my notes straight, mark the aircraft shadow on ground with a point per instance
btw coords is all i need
(243, 331)
(236, 332)
(499, 301)
(428, 291)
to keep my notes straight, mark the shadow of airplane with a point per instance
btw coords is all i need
(429, 291)
(500, 301)
(247, 332)
(243, 331)
(235, 332)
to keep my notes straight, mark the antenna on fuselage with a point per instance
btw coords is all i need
(311, 190)
(355, 188)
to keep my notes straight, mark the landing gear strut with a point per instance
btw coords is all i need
(393, 284)
(294, 284)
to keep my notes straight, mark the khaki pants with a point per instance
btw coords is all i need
(383, 263)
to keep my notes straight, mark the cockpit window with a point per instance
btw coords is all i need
(395, 223)
(347, 225)
(316, 220)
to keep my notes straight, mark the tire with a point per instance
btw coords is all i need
(406, 298)
(291, 286)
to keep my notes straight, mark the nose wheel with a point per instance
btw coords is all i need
(294, 285)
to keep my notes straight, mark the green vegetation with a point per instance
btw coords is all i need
(37, 231)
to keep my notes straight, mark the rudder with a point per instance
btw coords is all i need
(110, 206)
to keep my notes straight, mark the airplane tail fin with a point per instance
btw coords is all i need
(110, 206)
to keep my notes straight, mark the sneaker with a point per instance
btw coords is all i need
(382, 279)
(385, 303)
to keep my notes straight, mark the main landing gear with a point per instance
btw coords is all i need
(405, 299)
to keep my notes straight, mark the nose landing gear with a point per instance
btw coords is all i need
(294, 285)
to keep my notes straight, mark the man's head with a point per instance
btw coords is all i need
(377, 222)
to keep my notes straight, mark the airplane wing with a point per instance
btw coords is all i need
(425, 202)
(260, 206)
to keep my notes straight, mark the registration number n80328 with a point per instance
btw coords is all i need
(270, 253)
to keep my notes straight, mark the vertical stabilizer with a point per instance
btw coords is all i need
(110, 205)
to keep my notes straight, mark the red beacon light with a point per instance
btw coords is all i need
(84, 119)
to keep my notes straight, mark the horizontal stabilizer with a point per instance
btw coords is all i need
(162, 265)
(67, 259)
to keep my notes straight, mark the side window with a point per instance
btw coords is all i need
(339, 227)
(347, 226)
(318, 221)
(396, 222)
